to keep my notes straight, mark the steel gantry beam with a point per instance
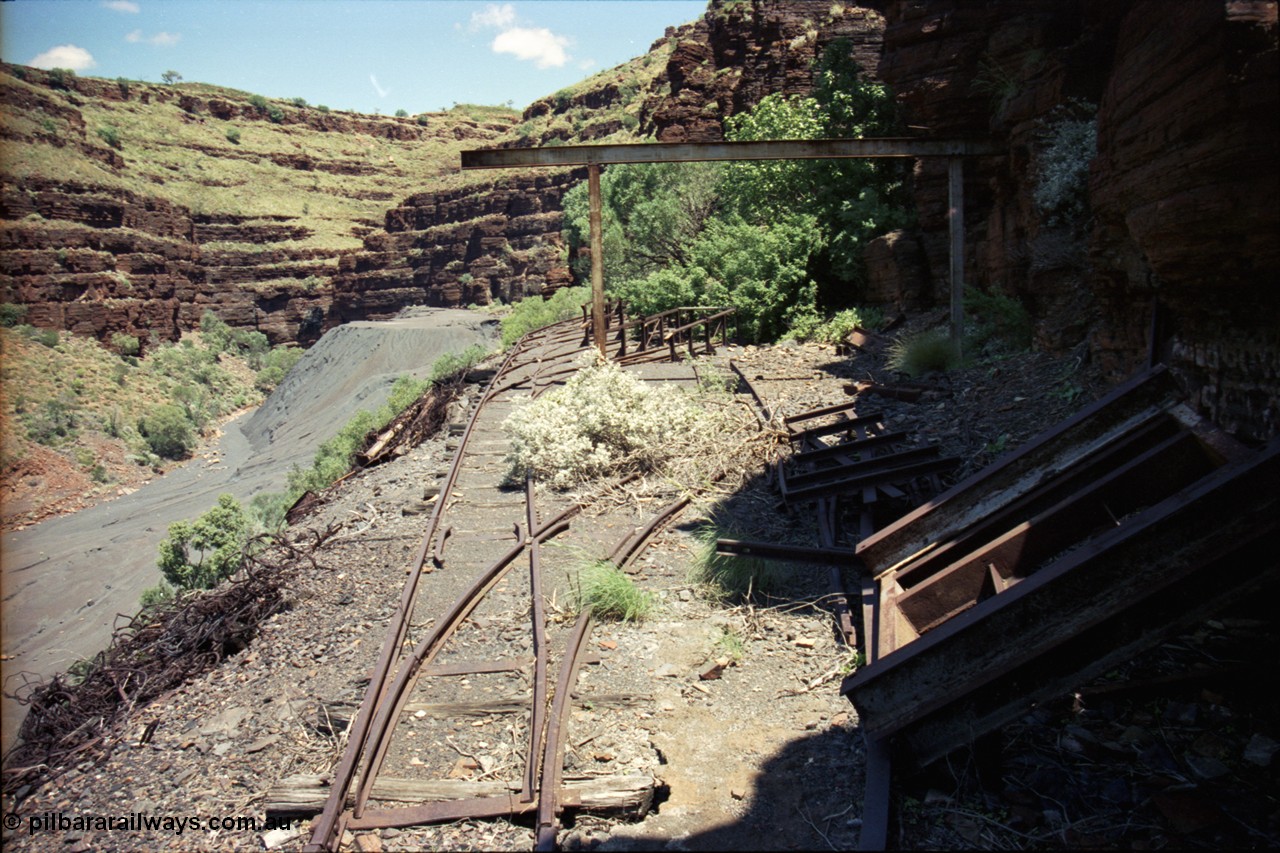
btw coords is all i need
(595, 156)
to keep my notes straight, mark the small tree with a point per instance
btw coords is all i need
(168, 432)
(171, 77)
(402, 113)
(198, 554)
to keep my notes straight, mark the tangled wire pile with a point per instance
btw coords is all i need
(78, 715)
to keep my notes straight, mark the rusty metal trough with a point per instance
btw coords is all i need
(1098, 539)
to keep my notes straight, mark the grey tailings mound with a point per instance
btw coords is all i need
(65, 580)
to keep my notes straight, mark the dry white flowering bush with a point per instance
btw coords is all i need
(601, 422)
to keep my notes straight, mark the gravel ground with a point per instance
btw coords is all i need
(763, 755)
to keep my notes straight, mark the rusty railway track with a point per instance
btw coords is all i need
(475, 536)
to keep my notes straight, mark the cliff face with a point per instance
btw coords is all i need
(739, 52)
(497, 240)
(120, 203)
(1179, 201)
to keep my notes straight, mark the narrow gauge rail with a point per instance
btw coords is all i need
(464, 689)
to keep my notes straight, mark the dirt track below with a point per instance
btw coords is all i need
(65, 580)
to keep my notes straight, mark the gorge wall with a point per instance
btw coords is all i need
(1169, 216)
(1179, 203)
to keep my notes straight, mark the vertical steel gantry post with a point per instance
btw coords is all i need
(597, 257)
(955, 218)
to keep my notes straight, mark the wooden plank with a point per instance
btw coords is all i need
(1111, 575)
(685, 152)
(1154, 475)
(995, 486)
(306, 793)
(597, 258)
(1044, 495)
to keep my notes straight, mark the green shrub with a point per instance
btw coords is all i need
(604, 590)
(258, 102)
(125, 344)
(334, 457)
(275, 114)
(168, 432)
(298, 102)
(233, 135)
(998, 318)
(11, 314)
(923, 353)
(534, 312)
(57, 421)
(452, 365)
(198, 554)
(1069, 145)
(216, 333)
(268, 510)
(123, 85)
(601, 422)
(171, 77)
(154, 596)
(47, 337)
(110, 135)
(402, 113)
(322, 108)
(421, 119)
(276, 364)
(60, 78)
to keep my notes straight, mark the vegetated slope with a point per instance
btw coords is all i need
(95, 563)
(72, 414)
(130, 207)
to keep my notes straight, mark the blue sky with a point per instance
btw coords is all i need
(365, 55)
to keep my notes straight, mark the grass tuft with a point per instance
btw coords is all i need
(728, 575)
(604, 590)
(923, 353)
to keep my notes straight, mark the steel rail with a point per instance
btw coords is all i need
(430, 646)
(326, 830)
(553, 758)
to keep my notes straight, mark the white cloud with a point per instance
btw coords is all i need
(161, 39)
(382, 93)
(64, 56)
(494, 15)
(125, 6)
(544, 47)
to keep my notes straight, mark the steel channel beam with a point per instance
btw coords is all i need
(833, 428)
(804, 457)
(838, 408)
(893, 475)
(860, 466)
(1109, 574)
(788, 553)
(685, 152)
(1006, 480)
